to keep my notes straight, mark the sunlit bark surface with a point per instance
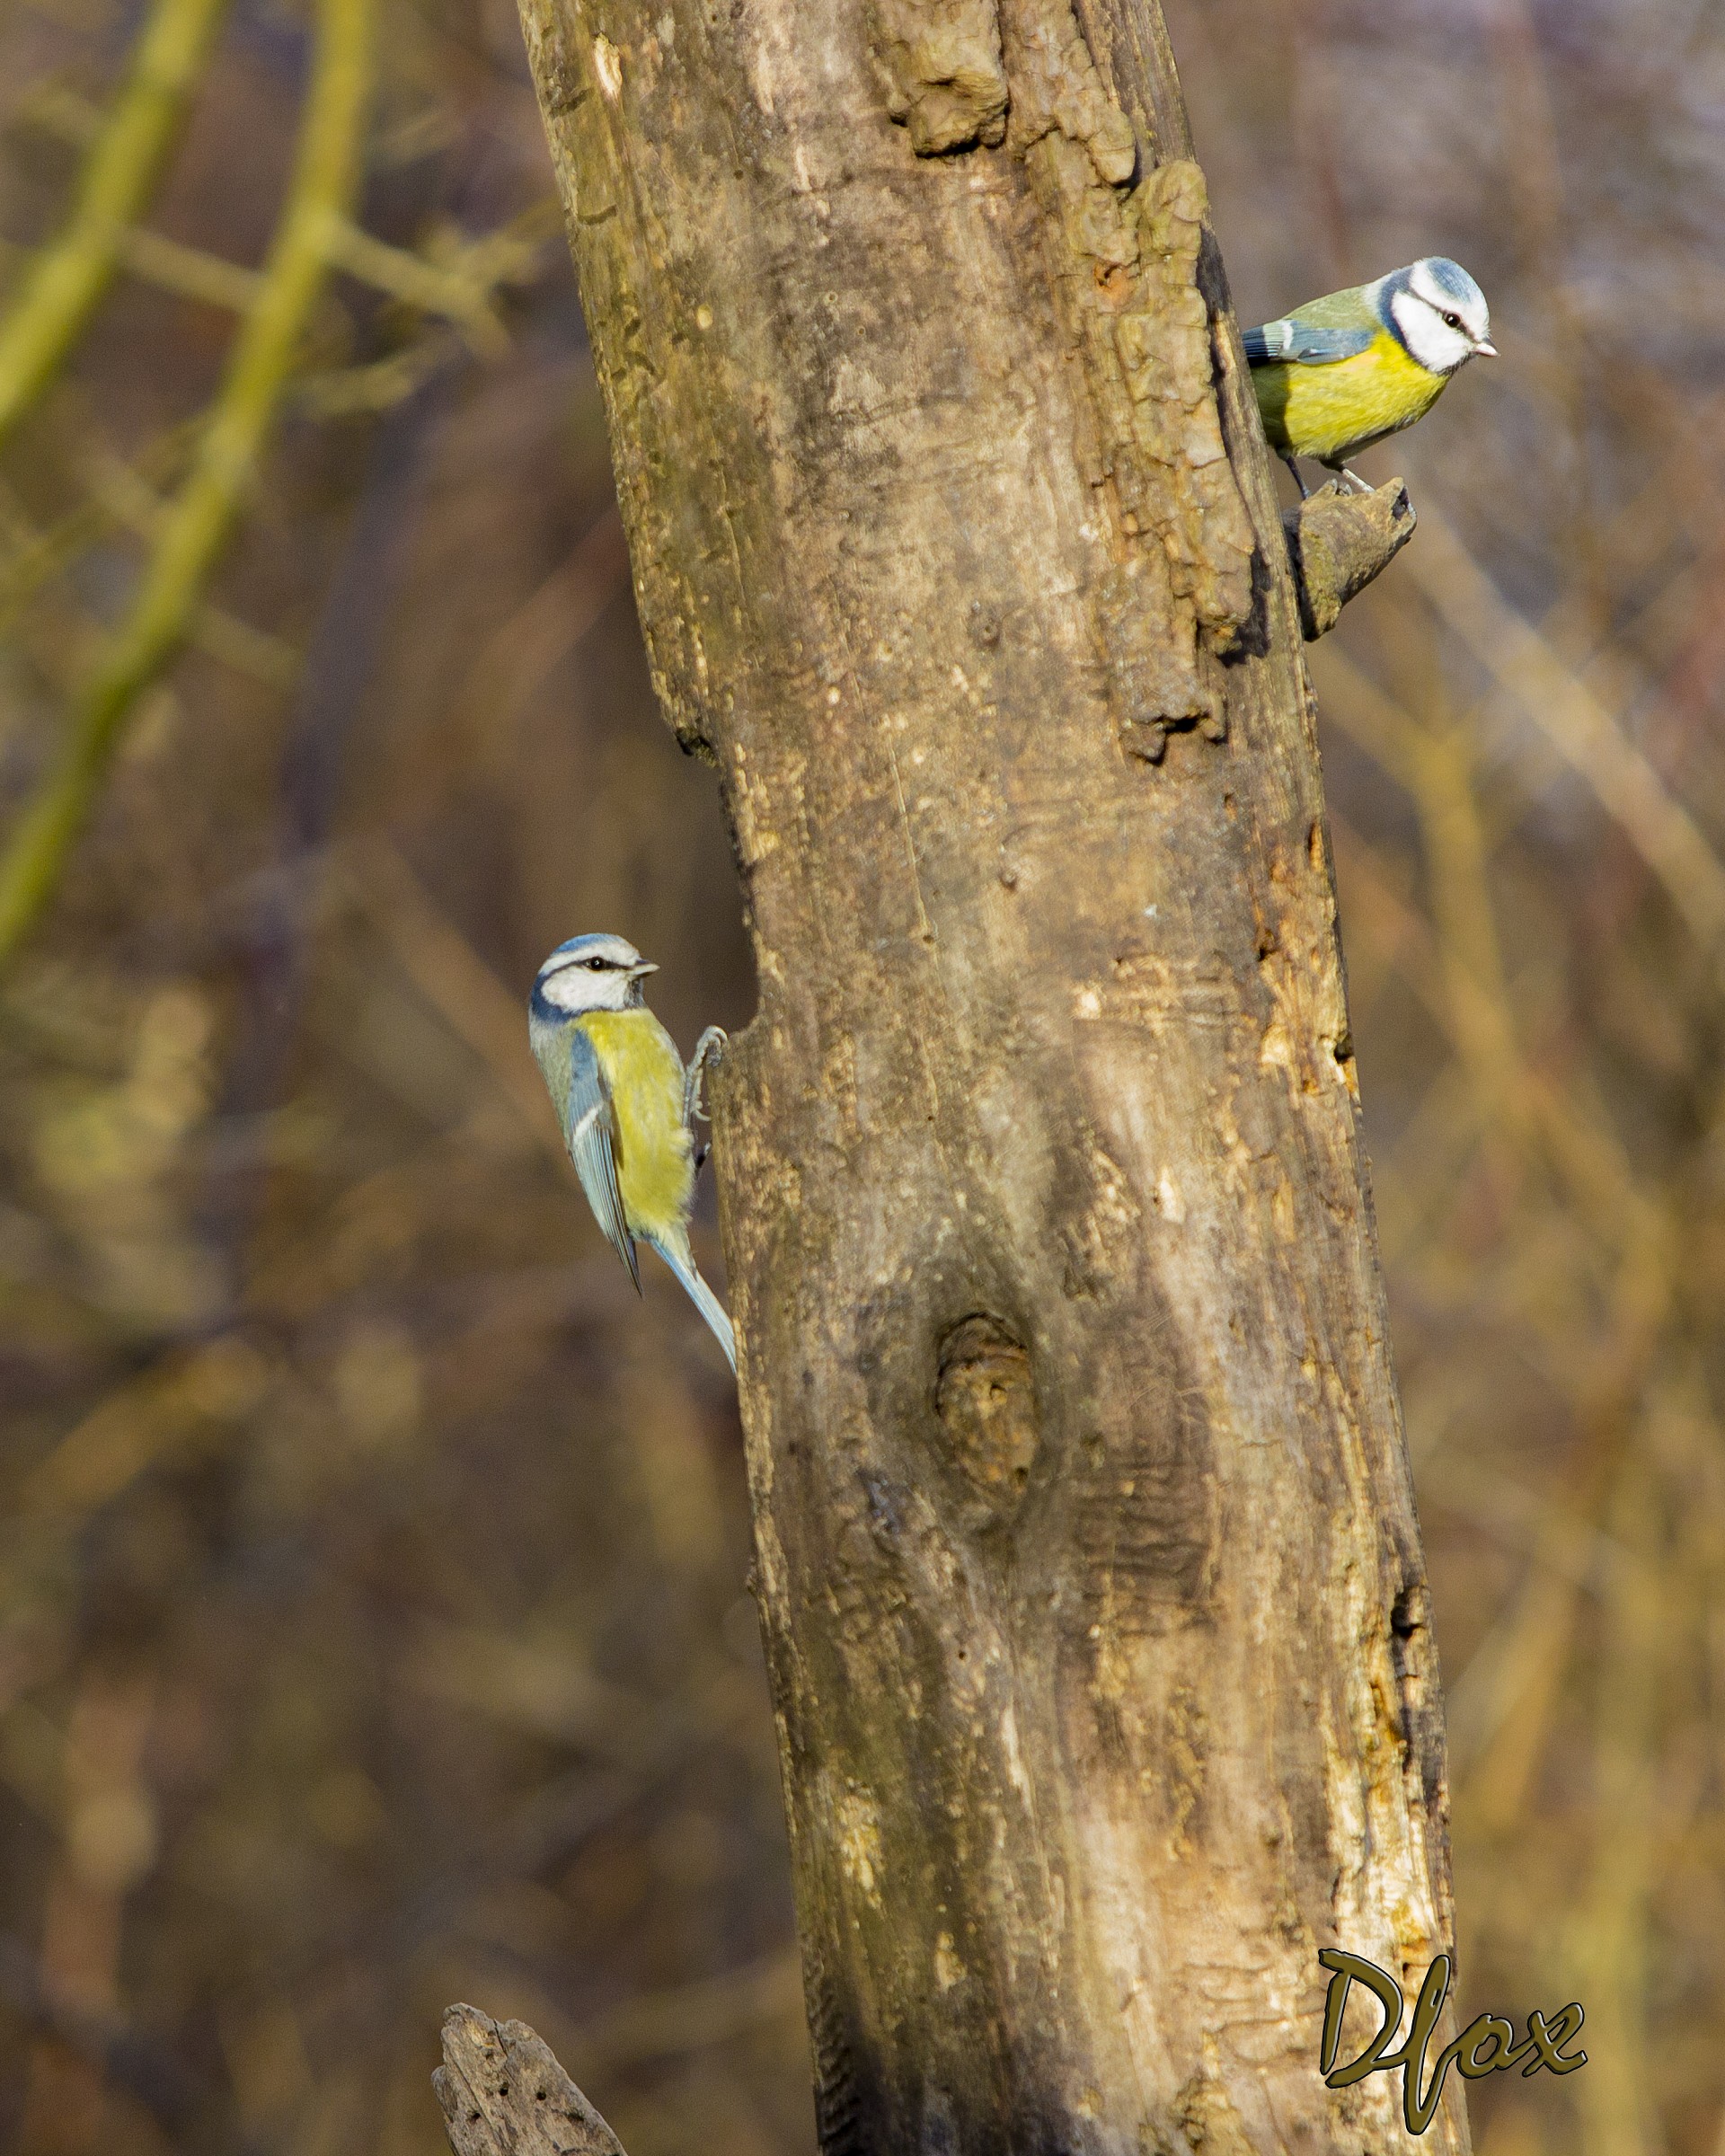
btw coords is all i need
(1095, 1609)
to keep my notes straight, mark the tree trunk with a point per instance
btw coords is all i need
(1095, 1611)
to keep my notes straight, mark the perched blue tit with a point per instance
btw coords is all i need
(626, 1105)
(1342, 372)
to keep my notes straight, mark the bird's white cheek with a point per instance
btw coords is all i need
(1429, 337)
(576, 992)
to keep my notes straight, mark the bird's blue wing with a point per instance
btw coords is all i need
(589, 1129)
(1303, 343)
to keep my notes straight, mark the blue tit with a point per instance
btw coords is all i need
(626, 1105)
(1342, 372)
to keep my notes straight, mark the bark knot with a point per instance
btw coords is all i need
(1208, 2121)
(986, 1404)
(940, 66)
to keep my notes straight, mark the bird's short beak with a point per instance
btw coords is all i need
(641, 966)
(1485, 348)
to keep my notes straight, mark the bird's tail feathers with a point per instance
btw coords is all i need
(696, 1289)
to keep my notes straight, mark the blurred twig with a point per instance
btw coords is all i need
(330, 692)
(1502, 1707)
(128, 2056)
(189, 271)
(689, 2016)
(432, 288)
(140, 1421)
(69, 277)
(1473, 1008)
(454, 278)
(1610, 1926)
(1586, 734)
(132, 504)
(37, 557)
(522, 652)
(452, 977)
(197, 524)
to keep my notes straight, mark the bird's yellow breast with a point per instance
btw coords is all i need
(1328, 413)
(644, 1072)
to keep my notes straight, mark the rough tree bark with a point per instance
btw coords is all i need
(1096, 1616)
(503, 2093)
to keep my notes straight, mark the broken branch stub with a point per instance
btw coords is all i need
(1338, 541)
(503, 2093)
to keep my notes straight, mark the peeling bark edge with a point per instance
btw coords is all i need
(503, 2093)
(1338, 542)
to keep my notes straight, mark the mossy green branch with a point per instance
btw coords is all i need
(67, 279)
(197, 522)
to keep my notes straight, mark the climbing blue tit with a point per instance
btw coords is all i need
(626, 1105)
(1342, 372)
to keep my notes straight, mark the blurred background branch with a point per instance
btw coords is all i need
(190, 532)
(68, 276)
(323, 1400)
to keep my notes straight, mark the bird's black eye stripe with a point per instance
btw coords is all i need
(596, 965)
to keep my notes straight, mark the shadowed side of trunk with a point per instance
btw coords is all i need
(1094, 1605)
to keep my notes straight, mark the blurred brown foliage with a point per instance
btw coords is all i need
(372, 1625)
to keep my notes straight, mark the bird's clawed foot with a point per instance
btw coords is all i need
(708, 1050)
(1355, 484)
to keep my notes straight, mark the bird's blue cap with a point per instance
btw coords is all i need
(1451, 278)
(618, 948)
(577, 947)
